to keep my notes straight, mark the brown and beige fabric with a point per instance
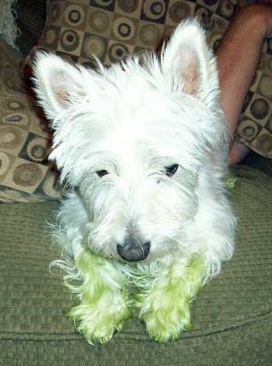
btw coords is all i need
(25, 174)
(111, 30)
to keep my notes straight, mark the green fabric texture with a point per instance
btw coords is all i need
(231, 316)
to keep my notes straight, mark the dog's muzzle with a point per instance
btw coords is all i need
(133, 251)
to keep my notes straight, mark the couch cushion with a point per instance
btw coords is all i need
(231, 317)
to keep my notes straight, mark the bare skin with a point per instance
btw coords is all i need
(238, 57)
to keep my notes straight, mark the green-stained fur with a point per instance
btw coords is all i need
(163, 296)
(103, 298)
(165, 301)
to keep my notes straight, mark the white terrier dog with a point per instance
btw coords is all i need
(144, 145)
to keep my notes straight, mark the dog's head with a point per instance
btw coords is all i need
(133, 139)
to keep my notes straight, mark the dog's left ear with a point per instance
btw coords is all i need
(189, 64)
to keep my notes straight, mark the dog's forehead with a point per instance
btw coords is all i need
(143, 115)
(134, 100)
(131, 90)
(133, 119)
(143, 96)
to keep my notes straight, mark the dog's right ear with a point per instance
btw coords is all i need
(59, 84)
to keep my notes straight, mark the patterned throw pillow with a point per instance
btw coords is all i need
(111, 29)
(24, 141)
(255, 126)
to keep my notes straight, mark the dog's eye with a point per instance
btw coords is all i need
(171, 170)
(102, 173)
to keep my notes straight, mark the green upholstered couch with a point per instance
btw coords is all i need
(231, 316)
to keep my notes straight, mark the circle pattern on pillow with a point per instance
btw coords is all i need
(255, 127)
(24, 140)
(80, 29)
(112, 29)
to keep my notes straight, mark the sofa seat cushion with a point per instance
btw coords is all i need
(231, 317)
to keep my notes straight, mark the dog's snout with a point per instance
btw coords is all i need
(133, 251)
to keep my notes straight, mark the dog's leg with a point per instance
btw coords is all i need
(103, 297)
(165, 301)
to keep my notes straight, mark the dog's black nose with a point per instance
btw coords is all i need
(133, 251)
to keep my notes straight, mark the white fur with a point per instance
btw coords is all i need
(134, 120)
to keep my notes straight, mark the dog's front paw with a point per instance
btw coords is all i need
(165, 307)
(103, 296)
(97, 322)
(166, 316)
